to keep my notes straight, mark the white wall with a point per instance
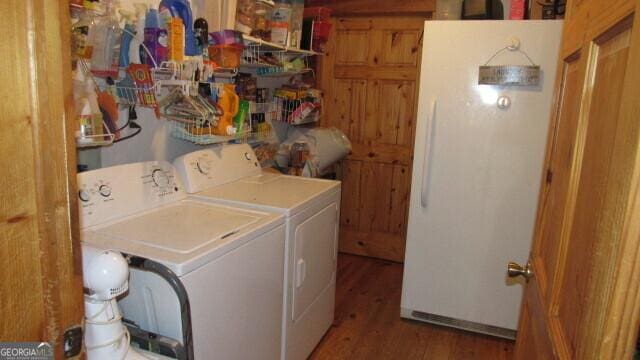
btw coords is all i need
(153, 143)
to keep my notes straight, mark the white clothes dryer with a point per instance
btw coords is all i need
(231, 175)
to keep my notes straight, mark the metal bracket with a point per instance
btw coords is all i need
(72, 341)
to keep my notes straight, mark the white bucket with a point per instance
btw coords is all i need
(328, 145)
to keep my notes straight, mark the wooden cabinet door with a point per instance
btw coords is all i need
(370, 77)
(41, 274)
(582, 301)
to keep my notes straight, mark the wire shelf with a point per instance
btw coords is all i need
(266, 45)
(273, 62)
(297, 112)
(256, 56)
(196, 134)
(205, 135)
(199, 126)
(88, 141)
(137, 95)
(86, 135)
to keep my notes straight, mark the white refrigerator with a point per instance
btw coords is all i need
(479, 152)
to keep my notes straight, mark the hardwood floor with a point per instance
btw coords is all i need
(368, 326)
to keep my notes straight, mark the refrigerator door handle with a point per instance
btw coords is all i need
(426, 162)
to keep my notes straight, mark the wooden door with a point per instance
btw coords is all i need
(370, 77)
(583, 299)
(41, 269)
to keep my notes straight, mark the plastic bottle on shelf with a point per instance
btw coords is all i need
(90, 116)
(295, 27)
(240, 118)
(80, 30)
(106, 35)
(229, 101)
(201, 30)
(299, 154)
(156, 39)
(176, 39)
(181, 9)
(127, 37)
(136, 51)
(262, 27)
(280, 20)
(245, 16)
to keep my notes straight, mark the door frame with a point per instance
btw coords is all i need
(44, 224)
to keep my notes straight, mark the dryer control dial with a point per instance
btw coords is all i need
(160, 178)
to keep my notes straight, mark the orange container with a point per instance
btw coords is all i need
(176, 39)
(227, 56)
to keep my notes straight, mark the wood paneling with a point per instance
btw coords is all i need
(559, 170)
(400, 185)
(584, 300)
(352, 47)
(377, 7)
(349, 212)
(41, 271)
(381, 153)
(360, 72)
(374, 244)
(369, 75)
(367, 324)
(610, 63)
(348, 100)
(530, 344)
(400, 48)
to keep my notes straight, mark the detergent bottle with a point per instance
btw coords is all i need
(156, 39)
(181, 9)
(229, 101)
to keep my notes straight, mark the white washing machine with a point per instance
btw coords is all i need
(209, 275)
(231, 175)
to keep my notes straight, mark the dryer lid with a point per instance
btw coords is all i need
(273, 190)
(183, 227)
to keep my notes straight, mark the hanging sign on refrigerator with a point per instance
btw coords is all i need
(520, 75)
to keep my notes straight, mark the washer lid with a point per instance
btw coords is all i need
(272, 190)
(182, 227)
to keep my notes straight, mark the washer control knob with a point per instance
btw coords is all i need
(247, 156)
(203, 166)
(105, 190)
(84, 195)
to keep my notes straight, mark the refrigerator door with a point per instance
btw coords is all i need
(479, 153)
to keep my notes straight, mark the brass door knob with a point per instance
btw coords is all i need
(515, 269)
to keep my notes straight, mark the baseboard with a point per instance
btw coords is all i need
(458, 324)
